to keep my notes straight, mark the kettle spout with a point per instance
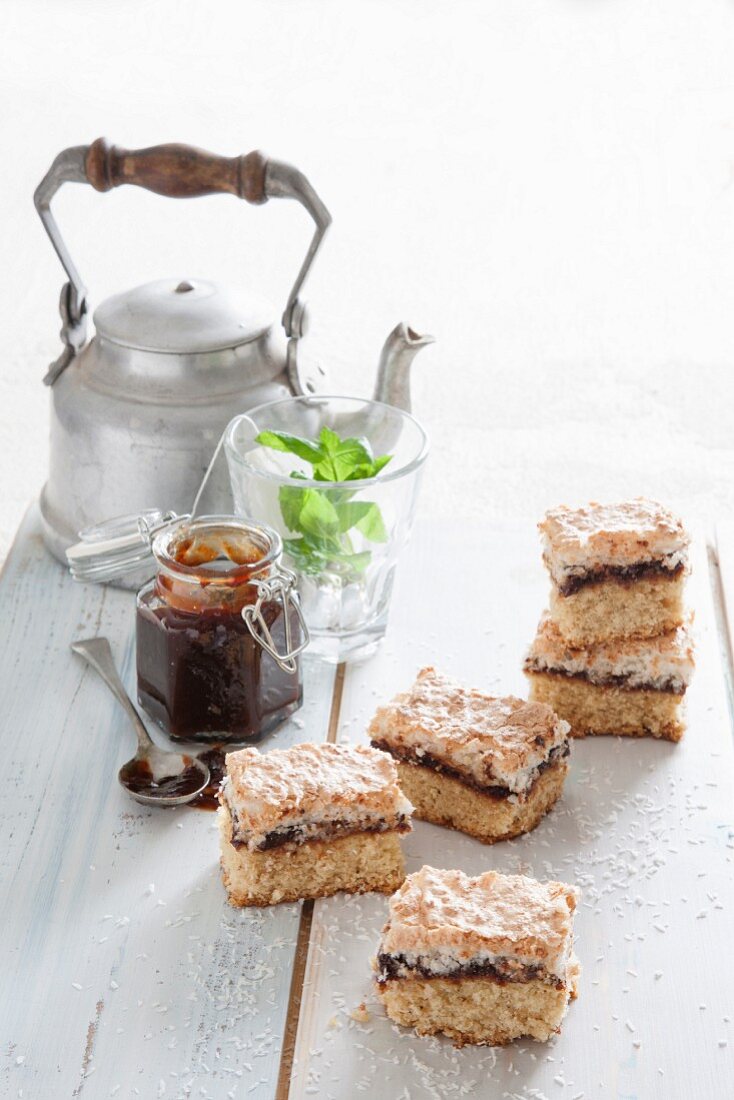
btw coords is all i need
(393, 375)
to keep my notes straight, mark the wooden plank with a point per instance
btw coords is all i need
(644, 828)
(130, 974)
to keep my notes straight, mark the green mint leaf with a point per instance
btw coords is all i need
(323, 518)
(361, 473)
(342, 456)
(343, 467)
(366, 470)
(291, 502)
(340, 496)
(350, 513)
(290, 444)
(365, 516)
(355, 451)
(372, 525)
(350, 455)
(329, 440)
(318, 515)
(313, 556)
(304, 556)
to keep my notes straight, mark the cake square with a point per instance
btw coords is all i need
(490, 767)
(632, 687)
(309, 821)
(617, 570)
(482, 960)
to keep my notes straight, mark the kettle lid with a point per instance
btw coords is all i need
(181, 316)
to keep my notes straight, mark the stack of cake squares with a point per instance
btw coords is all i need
(613, 654)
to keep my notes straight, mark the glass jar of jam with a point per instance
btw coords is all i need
(219, 632)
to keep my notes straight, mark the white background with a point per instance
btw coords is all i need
(546, 185)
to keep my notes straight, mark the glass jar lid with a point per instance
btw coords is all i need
(208, 550)
(117, 546)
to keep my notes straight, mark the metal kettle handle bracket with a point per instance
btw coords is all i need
(176, 171)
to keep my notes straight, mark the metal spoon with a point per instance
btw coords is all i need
(153, 776)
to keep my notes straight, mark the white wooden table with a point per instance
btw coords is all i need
(126, 974)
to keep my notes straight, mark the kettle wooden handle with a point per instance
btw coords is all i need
(177, 171)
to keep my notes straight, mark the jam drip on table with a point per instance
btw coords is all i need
(209, 797)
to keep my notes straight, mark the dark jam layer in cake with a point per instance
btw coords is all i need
(620, 574)
(670, 687)
(425, 760)
(295, 834)
(504, 971)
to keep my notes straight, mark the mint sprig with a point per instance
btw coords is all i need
(323, 518)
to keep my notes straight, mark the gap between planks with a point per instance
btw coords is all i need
(723, 622)
(295, 995)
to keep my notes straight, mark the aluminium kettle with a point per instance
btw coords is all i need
(137, 411)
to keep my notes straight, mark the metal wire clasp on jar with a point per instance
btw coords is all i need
(283, 585)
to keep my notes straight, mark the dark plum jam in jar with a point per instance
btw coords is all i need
(218, 633)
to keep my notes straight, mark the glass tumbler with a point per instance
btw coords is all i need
(341, 538)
